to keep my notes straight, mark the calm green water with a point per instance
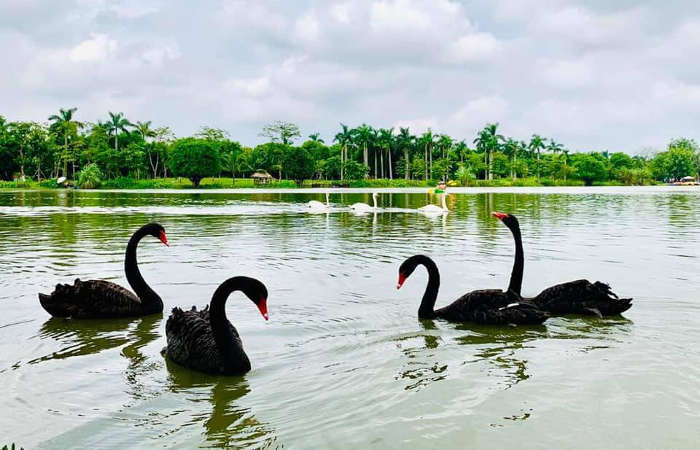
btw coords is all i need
(343, 361)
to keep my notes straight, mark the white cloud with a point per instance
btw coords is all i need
(590, 74)
(473, 47)
(341, 12)
(250, 87)
(306, 27)
(98, 48)
(418, 125)
(567, 74)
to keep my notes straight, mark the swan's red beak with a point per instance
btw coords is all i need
(402, 278)
(163, 238)
(262, 306)
(499, 215)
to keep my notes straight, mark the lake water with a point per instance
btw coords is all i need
(343, 361)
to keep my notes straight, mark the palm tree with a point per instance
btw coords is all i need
(510, 148)
(385, 140)
(117, 122)
(316, 137)
(461, 149)
(535, 146)
(63, 123)
(444, 143)
(403, 141)
(364, 134)
(488, 142)
(344, 138)
(144, 128)
(427, 140)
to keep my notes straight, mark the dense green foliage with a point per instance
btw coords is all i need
(195, 158)
(118, 153)
(90, 177)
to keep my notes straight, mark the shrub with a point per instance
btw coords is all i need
(355, 170)
(90, 177)
(48, 183)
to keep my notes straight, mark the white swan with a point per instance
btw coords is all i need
(432, 209)
(364, 207)
(316, 206)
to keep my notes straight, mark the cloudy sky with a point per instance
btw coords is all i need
(594, 75)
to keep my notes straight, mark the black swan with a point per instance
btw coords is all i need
(100, 299)
(574, 297)
(205, 340)
(491, 306)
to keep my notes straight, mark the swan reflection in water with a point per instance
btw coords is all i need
(229, 425)
(501, 346)
(420, 370)
(93, 336)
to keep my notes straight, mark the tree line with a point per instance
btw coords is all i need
(90, 152)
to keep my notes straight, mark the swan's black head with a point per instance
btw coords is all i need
(408, 266)
(508, 220)
(256, 292)
(157, 231)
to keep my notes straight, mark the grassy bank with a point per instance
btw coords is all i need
(227, 183)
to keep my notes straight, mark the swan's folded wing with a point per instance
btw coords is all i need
(582, 297)
(90, 299)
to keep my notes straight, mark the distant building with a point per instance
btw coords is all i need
(262, 177)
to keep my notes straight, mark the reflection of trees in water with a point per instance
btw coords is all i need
(87, 337)
(228, 425)
(420, 370)
(146, 331)
(500, 346)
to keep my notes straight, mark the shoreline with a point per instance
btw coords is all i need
(399, 190)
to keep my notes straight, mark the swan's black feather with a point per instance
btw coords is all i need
(191, 343)
(91, 299)
(581, 297)
(492, 307)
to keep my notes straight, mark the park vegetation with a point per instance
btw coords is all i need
(121, 153)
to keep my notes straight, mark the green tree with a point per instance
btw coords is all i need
(89, 177)
(195, 159)
(590, 169)
(536, 145)
(144, 129)
(316, 137)
(281, 132)
(364, 134)
(229, 156)
(117, 123)
(212, 134)
(299, 164)
(488, 142)
(404, 141)
(62, 124)
(355, 171)
(344, 138)
(385, 140)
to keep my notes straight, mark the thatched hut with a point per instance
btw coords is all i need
(262, 177)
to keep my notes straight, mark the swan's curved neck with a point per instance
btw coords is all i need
(444, 202)
(230, 349)
(427, 304)
(374, 200)
(516, 276)
(151, 302)
(328, 201)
